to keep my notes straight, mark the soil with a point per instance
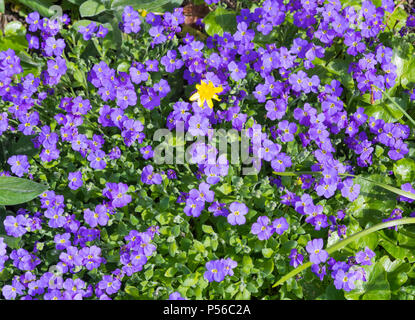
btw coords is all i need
(8, 16)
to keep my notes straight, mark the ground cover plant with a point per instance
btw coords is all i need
(269, 156)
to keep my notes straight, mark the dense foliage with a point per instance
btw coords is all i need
(107, 194)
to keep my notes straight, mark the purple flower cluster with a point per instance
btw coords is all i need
(217, 270)
(264, 230)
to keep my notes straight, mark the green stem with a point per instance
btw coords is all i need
(339, 245)
(379, 184)
(397, 105)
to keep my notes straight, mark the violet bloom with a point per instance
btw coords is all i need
(91, 257)
(364, 257)
(33, 19)
(344, 280)
(19, 165)
(350, 191)
(280, 225)
(237, 213)
(75, 180)
(170, 61)
(88, 31)
(198, 126)
(407, 187)
(287, 130)
(261, 228)
(147, 152)
(109, 284)
(117, 193)
(237, 70)
(99, 216)
(193, 207)
(15, 226)
(203, 194)
(176, 296)
(54, 47)
(317, 253)
(149, 177)
(295, 258)
(97, 160)
(215, 271)
(319, 270)
(281, 162)
(62, 241)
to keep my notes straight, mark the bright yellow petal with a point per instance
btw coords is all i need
(210, 103)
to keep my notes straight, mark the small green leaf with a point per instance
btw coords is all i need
(41, 6)
(132, 291)
(219, 21)
(15, 190)
(404, 169)
(207, 229)
(91, 8)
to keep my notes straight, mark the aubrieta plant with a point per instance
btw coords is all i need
(317, 94)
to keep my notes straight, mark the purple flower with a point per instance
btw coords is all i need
(97, 160)
(88, 31)
(203, 194)
(176, 296)
(19, 165)
(91, 257)
(344, 280)
(75, 180)
(54, 47)
(281, 162)
(287, 130)
(193, 207)
(215, 271)
(295, 258)
(170, 61)
(262, 229)
(237, 70)
(364, 257)
(147, 152)
(315, 249)
(109, 284)
(350, 191)
(149, 177)
(280, 225)
(117, 193)
(15, 226)
(237, 213)
(62, 241)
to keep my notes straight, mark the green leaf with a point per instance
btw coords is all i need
(207, 229)
(1, 6)
(132, 291)
(340, 68)
(404, 169)
(219, 21)
(148, 5)
(375, 288)
(341, 244)
(14, 28)
(24, 146)
(91, 8)
(17, 190)
(41, 6)
(397, 19)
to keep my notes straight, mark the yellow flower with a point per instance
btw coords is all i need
(206, 92)
(143, 12)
